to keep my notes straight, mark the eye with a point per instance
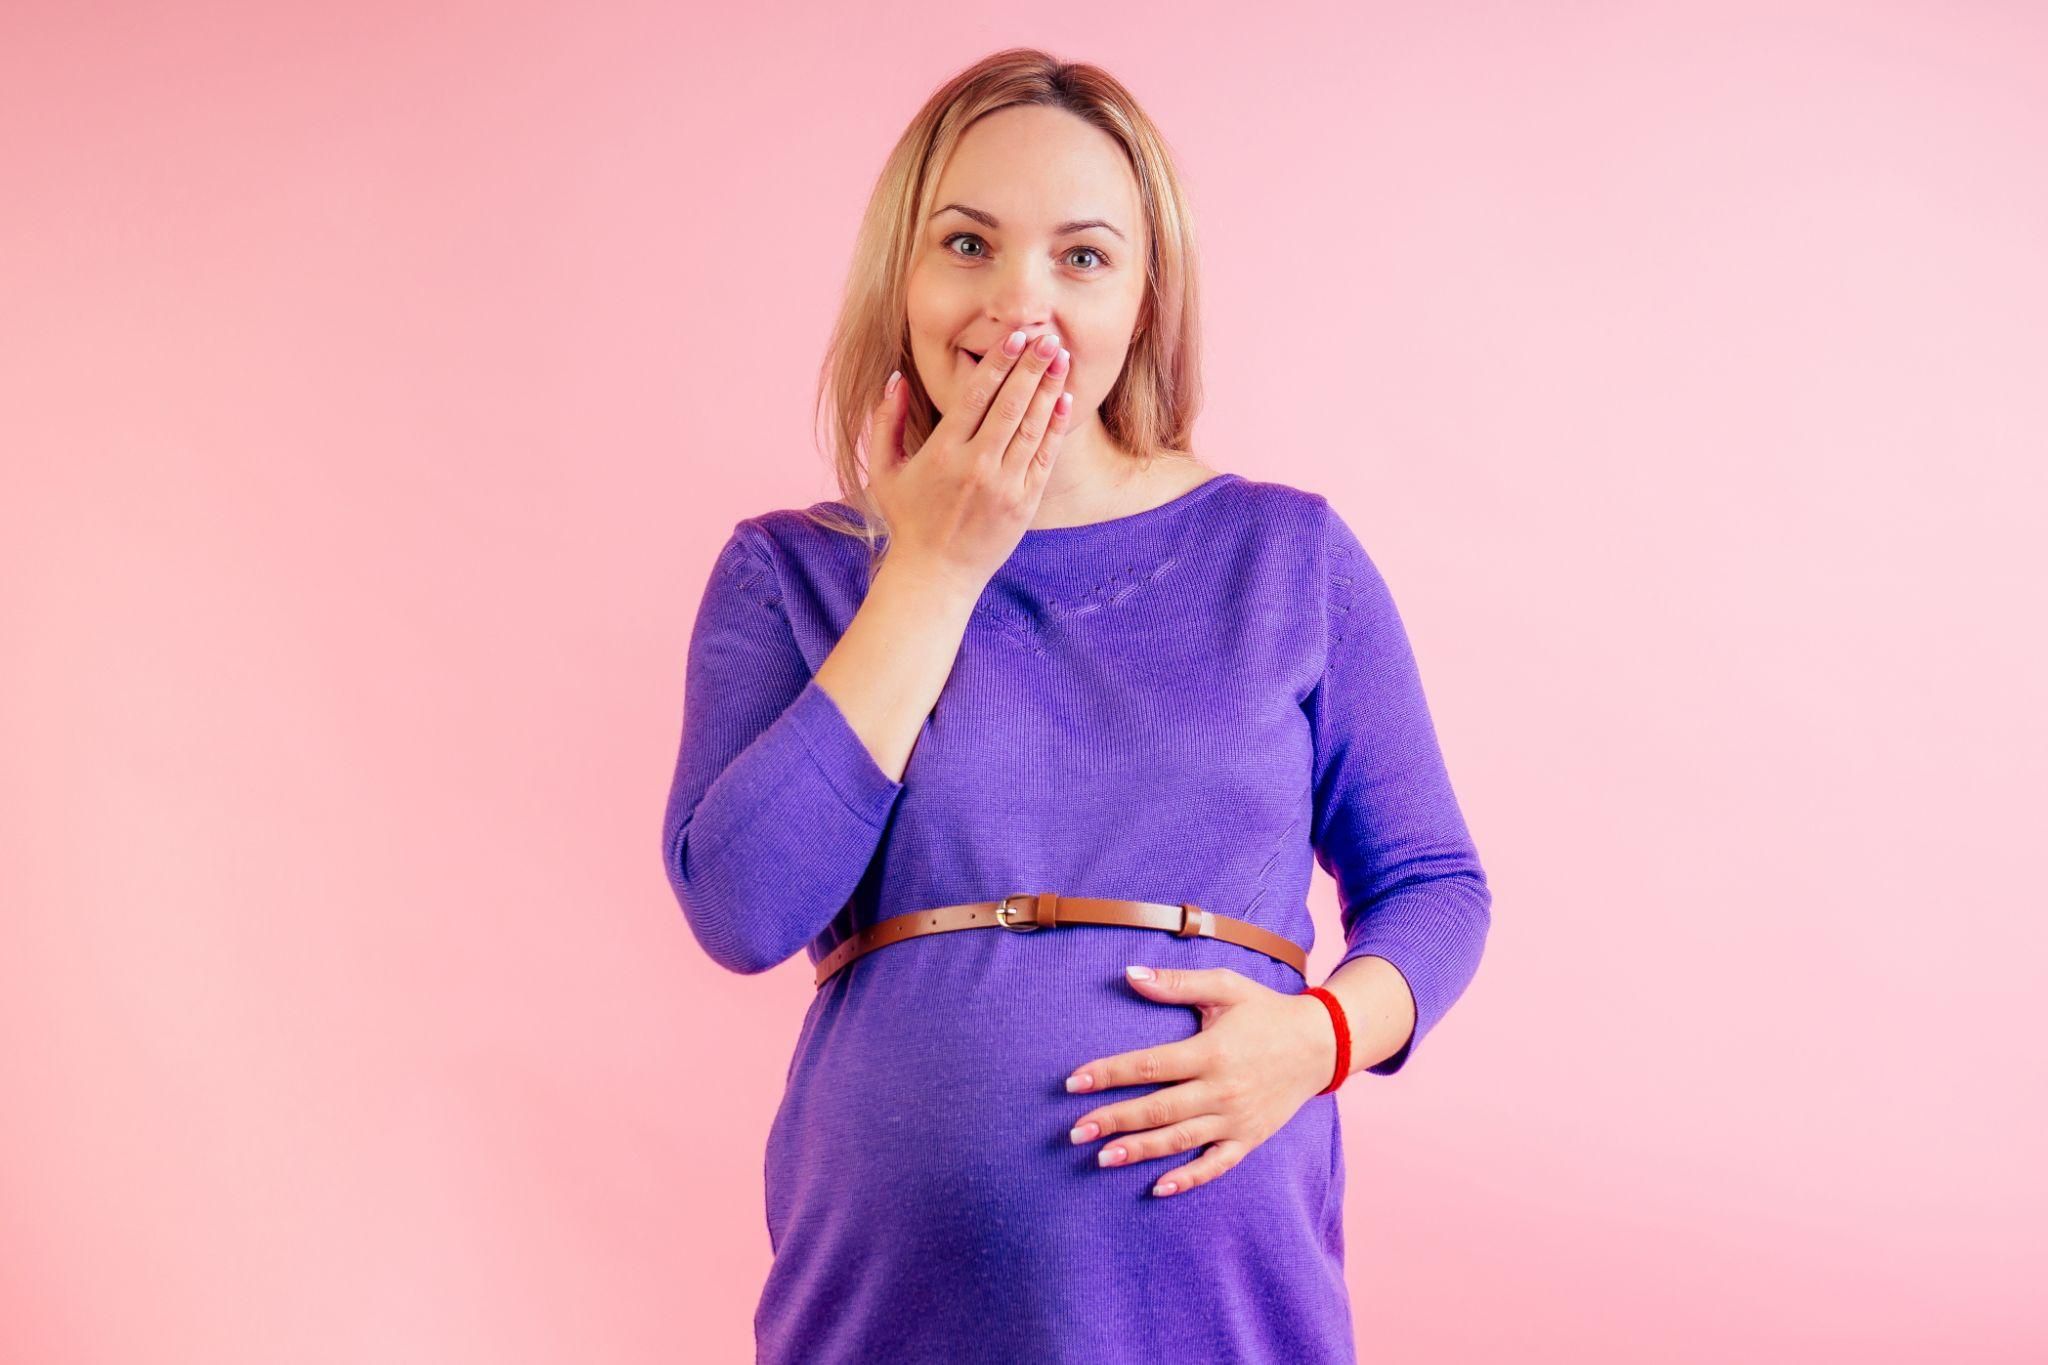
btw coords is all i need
(1101, 256)
(958, 236)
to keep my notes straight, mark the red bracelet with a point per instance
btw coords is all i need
(1343, 1037)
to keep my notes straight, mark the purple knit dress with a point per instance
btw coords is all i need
(1196, 702)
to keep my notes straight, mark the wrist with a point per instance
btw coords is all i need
(1324, 1045)
(928, 584)
(1377, 1005)
(928, 578)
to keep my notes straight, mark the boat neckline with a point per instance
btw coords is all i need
(1164, 509)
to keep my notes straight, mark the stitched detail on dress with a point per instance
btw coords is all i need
(748, 574)
(1025, 629)
(1113, 590)
(1244, 912)
(1341, 568)
(1015, 626)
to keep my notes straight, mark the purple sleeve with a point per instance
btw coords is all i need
(777, 807)
(1387, 825)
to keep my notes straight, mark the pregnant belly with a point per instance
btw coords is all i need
(929, 1078)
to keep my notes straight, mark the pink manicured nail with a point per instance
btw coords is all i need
(1165, 1187)
(1084, 1132)
(1111, 1156)
(1014, 345)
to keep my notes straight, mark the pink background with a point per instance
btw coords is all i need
(377, 384)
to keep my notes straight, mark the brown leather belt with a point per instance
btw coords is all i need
(1049, 909)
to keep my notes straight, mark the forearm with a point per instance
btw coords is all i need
(889, 666)
(1377, 1005)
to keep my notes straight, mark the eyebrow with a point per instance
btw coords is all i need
(989, 219)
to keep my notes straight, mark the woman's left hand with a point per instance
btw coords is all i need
(1261, 1054)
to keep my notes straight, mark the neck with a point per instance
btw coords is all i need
(1092, 476)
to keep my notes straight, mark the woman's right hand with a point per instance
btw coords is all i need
(963, 503)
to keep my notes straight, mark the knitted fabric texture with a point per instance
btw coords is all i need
(1198, 702)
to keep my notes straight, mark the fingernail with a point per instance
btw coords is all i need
(1084, 1132)
(1015, 345)
(1165, 1187)
(1139, 973)
(1080, 1080)
(1110, 1156)
(890, 388)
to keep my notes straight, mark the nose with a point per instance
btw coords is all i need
(1020, 298)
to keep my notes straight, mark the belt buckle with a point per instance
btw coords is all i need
(1004, 909)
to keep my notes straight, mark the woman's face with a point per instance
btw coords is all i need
(1008, 250)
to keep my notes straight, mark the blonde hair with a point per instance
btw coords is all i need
(1151, 409)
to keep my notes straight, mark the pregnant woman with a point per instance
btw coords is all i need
(1044, 675)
